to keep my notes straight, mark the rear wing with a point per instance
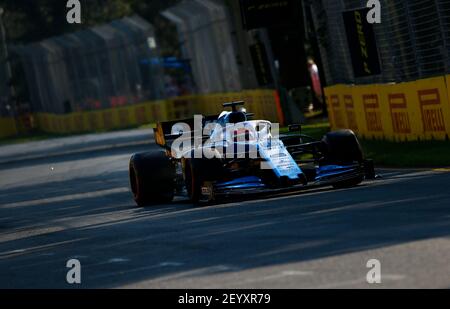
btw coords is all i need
(163, 131)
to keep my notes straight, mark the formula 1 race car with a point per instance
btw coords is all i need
(206, 159)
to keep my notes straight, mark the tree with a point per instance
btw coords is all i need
(31, 21)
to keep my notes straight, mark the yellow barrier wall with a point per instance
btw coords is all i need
(260, 102)
(418, 110)
(102, 120)
(7, 127)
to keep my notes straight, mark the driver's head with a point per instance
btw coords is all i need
(237, 117)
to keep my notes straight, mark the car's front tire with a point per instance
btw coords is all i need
(343, 147)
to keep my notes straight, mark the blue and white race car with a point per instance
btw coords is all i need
(206, 159)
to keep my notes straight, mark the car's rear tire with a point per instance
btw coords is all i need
(152, 178)
(343, 147)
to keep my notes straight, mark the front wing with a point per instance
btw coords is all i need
(325, 176)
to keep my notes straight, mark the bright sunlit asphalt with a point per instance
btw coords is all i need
(59, 206)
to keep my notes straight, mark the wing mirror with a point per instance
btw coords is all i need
(295, 128)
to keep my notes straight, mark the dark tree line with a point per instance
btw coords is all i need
(34, 20)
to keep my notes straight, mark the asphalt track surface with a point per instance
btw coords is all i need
(57, 205)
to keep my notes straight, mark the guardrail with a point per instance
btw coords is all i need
(7, 127)
(411, 111)
(263, 103)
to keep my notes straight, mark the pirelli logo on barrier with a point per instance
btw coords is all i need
(432, 114)
(417, 110)
(350, 111)
(337, 112)
(373, 114)
(399, 113)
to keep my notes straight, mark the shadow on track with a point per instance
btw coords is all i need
(78, 155)
(181, 240)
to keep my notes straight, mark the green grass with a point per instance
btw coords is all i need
(317, 130)
(384, 153)
(394, 154)
(408, 154)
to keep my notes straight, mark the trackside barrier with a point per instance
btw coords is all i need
(102, 120)
(411, 111)
(262, 103)
(8, 127)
